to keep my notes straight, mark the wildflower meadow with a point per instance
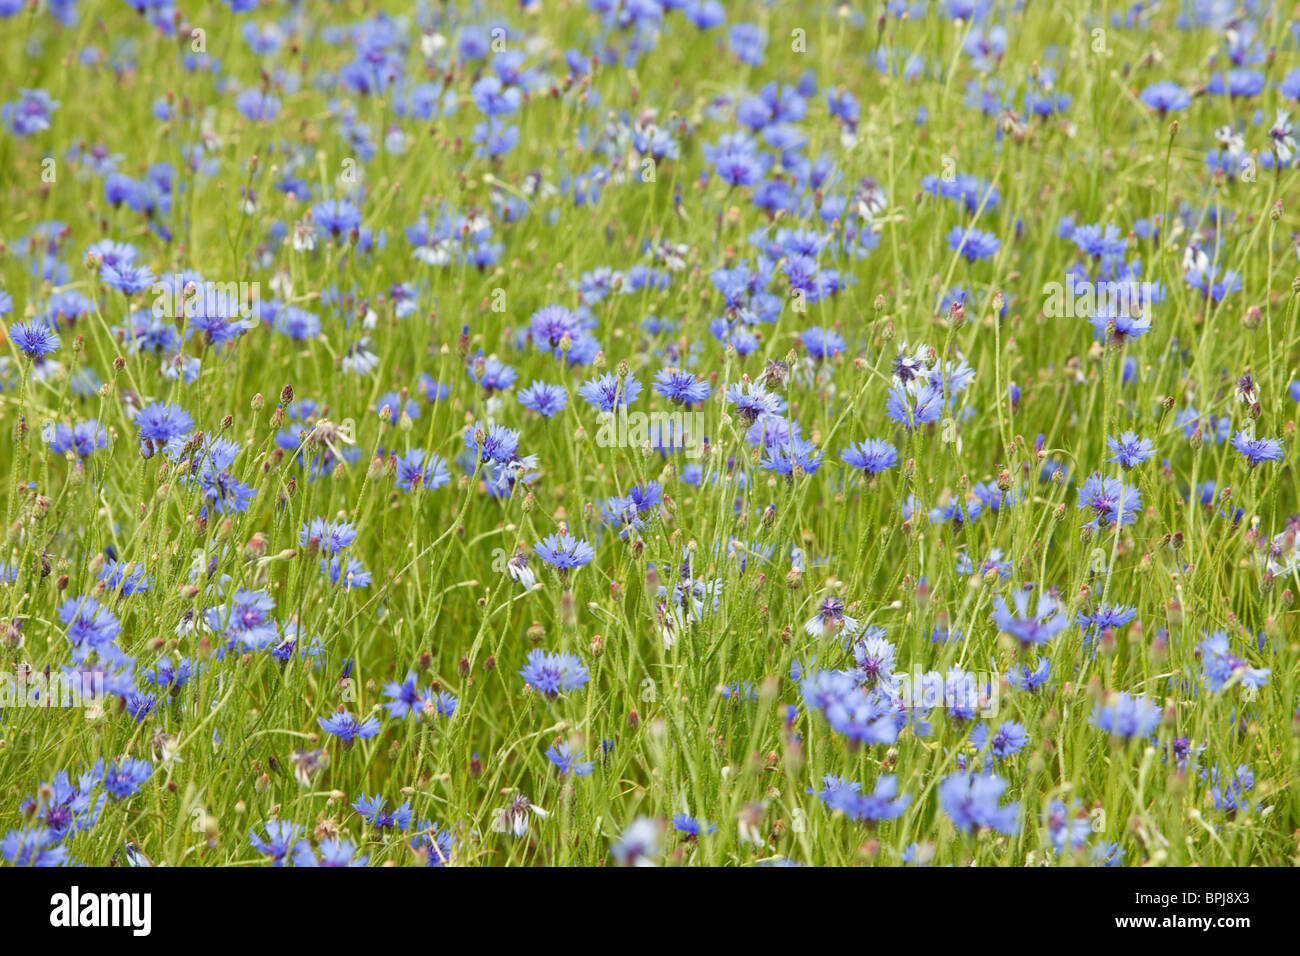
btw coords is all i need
(649, 432)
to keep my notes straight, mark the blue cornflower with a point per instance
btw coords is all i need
(34, 339)
(496, 443)
(741, 690)
(372, 809)
(973, 244)
(798, 453)
(1130, 450)
(416, 471)
(606, 392)
(257, 105)
(220, 487)
(1256, 450)
(747, 42)
(28, 114)
(336, 217)
(1126, 715)
(162, 425)
(345, 571)
(1107, 854)
(128, 277)
(753, 401)
(1166, 97)
(494, 98)
(1010, 738)
(871, 457)
(296, 322)
(1025, 678)
(1202, 279)
(970, 801)
(918, 403)
(1109, 499)
(1221, 666)
(736, 166)
(547, 400)
(549, 325)
(822, 344)
(492, 374)
(681, 388)
(334, 852)
(35, 847)
(1107, 617)
(66, 809)
(861, 714)
(346, 727)
(84, 438)
(830, 620)
(246, 620)
(406, 699)
(280, 838)
(566, 761)
(846, 796)
(874, 657)
(552, 674)
(1030, 628)
(1228, 796)
(123, 776)
(88, 623)
(564, 552)
(1097, 240)
(329, 537)
(130, 578)
(140, 705)
(435, 843)
(691, 827)
(396, 407)
(1067, 826)
(172, 675)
